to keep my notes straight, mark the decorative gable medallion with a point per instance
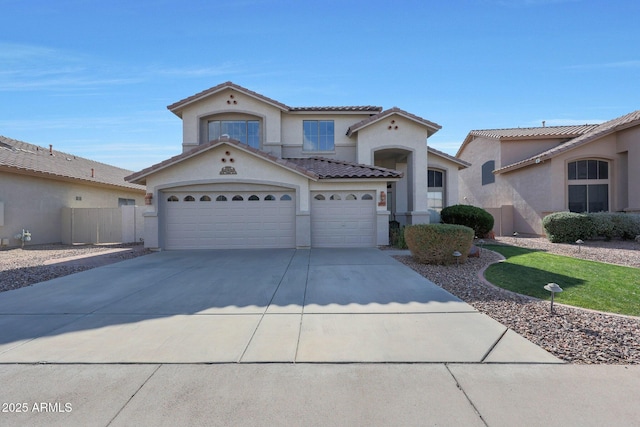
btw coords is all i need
(228, 170)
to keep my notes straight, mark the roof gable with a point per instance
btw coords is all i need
(531, 133)
(177, 107)
(597, 132)
(29, 159)
(140, 177)
(431, 126)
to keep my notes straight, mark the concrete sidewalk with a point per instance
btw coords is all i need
(321, 395)
(319, 305)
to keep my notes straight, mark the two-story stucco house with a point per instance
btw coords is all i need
(256, 173)
(521, 175)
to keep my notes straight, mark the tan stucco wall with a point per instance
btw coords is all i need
(470, 188)
(345, 147)
(515, 151)
(539, 189)
(36, 203)
(408, 136)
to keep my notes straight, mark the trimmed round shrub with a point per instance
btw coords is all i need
(604, 225)
(479, 220)
(436, 243)
(567, 227)
(626, 226)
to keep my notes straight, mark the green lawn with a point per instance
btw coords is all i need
(586, 284)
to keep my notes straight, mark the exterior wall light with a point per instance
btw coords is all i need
(553, 288)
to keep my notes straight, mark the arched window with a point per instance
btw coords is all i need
(237, 198)
(270, 197)
(221, 198)
(285, 197)
(335, 197)
(588, 186)
(319, 197)
(367, 197)
(189, 199)
(351, 197)
(254, 198)
(172, 199)
(205, 199)
(487, 172)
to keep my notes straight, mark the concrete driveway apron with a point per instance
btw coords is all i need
(285, 305)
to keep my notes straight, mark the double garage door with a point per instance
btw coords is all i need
(229, 220)
(241, 220)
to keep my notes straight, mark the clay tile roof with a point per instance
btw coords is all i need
(326, 168)
(433, 127)
(22, 157)
(598, 131)
(140, 177)
(177, 106)
(354, 108)
(533, 132)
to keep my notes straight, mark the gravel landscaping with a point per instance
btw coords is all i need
(571, 334)
(24, 267)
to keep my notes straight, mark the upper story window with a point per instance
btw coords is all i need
(245, 131)
(487, 172)
(318, 135)
(588, 186)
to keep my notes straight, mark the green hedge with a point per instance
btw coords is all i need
(567, 227)
(479, 220)
(436, 243)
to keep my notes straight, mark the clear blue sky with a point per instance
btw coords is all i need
(94, 78)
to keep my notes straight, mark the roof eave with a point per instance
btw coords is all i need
(140, 177)
(177, 107)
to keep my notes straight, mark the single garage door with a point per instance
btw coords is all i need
(343, 219)
(229, 220)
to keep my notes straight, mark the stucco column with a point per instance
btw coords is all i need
(419, 186)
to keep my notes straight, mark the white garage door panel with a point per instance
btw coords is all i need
(343, 223)
(229, 224)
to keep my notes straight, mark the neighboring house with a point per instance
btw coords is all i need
(521, 175)
(256, 173)
(36, 183)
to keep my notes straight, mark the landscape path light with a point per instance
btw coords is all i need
(579, 242)
(481, 243)
(553, 288)
(457, 255)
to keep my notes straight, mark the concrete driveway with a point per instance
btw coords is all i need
(319, 305)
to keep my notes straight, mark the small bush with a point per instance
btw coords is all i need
(479, 220)
(396, 237)
(567, 227)
(603, 224)
(436, 243)
(626, 226)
